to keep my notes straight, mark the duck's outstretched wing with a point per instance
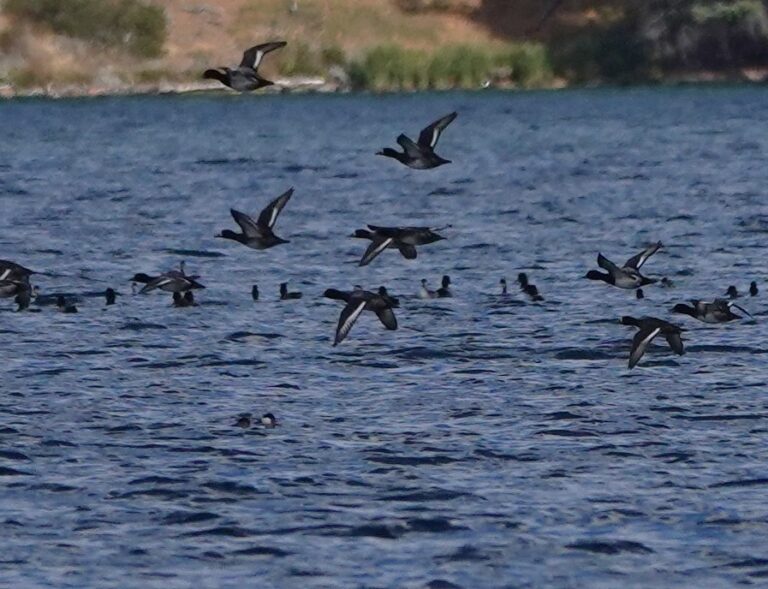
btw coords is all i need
(410, 148)
(637, 261)
(640, 344)
(429, 136)
(675, 341)
(387, 318)
(349, 315)
(378, 245)
(408, 251)
(606, 264)
(337, 295)
(270, 213)
(249, 227)
(252, 57)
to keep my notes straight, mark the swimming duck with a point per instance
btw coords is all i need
(243, 421)
(13, 271)
(421, 155)
(285, 295)
(403, 238)
(732, 293)
(255, 292)
(718, 311)
(444, 291)
(528, 288)
(425, 292)
(393, 301)
(268, 420)
(753, 289)
(628, 276)
(639, 293)
(503, 283)
(65, 307)
(649, 328)
(171, 281)
(184, 300)
(110, 295)
(258, 234)
(666, 283)
(360, 300)
(245, 77)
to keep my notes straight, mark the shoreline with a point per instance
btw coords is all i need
(320, 85)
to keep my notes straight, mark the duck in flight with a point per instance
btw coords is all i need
(718, 311)
(628, 276)
(171, 281)
(360, 300)
(259, 234)
(421, 155)
(404, 239)
(649, 328)
(285, 295)
(14, 272)
(245, 77)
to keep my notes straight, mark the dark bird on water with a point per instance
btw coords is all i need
(285, 295)
(64, 306)
(185, 300)
(528, 288)
(639, 293)
(421, 155)
(110, 295)
(255, 292)
(444, 292)
(732, 293)
(649, 328)
(245, 77)
(628, 276)
(404, 239)
(753, 289)
(718, 311)
(258, 234)
(503, 284)
(360, 300)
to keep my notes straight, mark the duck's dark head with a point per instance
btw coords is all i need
(255, 292)
(141, 277)
(639, 293)
(244, 420)
(177, 298)
(597, 275)
(732, 292)
(229, 234)
(753, 288)
(283, 289)
(389, 152)
(219, 74)
(685, 309)
(61, 302)
(383, 291)
(189, 298)
(522, 278)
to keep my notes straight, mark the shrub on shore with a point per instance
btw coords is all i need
(136, 26)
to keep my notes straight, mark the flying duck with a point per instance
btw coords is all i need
(444, 292)
(171, 281)
(258, 234)
(628, 276)
(360, 300)
(421, 155)
(528, 288)
(649, 328)
(245, 77)
(718, 311)
(425, 292)
(285, 295)
(13, 287)
(753, 289)
(65, 307)
(403, 238)
(255, 292)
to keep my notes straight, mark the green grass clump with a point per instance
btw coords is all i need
(133, 25)
(395, 68)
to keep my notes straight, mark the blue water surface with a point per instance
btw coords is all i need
(489, 442)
